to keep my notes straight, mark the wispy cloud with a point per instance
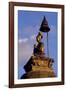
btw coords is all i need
(52, 28)
(28, 31)
(33, 36)
(23, 40)
(25, 49)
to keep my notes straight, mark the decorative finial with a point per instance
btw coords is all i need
(44, 26)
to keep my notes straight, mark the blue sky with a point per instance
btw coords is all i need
(28, 27)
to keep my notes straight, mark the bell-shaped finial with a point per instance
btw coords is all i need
(44, 26)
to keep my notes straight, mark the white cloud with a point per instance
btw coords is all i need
(23, 40)
(28, 31)
(25, 50)
(33, 36)
(52, 28)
